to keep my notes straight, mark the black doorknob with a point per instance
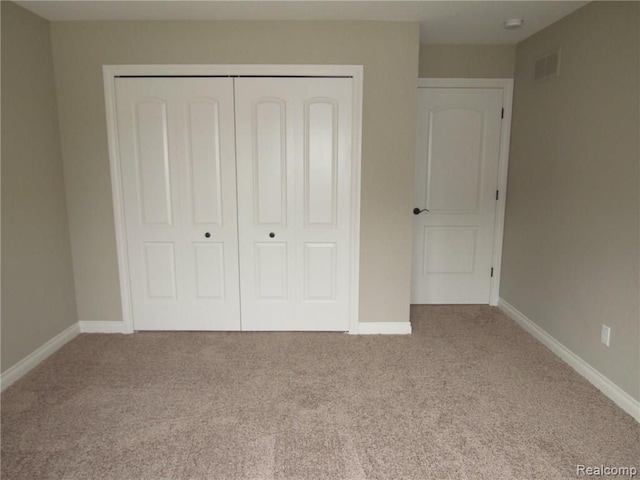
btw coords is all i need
(417, 211)
(271, 235)
(207, 235)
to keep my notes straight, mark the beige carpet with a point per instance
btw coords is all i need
(468, 396)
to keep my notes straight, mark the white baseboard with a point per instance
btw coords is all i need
(602, 383)
(101, 326)
(25, 365)
(384, 328)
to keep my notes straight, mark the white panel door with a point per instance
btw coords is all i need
(456, 178)
(293, 143)
(177, 161)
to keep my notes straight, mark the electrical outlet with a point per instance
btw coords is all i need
(605, 336)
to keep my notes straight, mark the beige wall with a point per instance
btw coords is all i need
(571, 244)
(467, 61)
(389, 53)
(37, 283)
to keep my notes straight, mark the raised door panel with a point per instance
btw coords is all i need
(152, 161)
(159, 269)
(320, 162)
(449, 250)
(269, 161)
(320, 272)
(454, 160)
(204, 160)
(271, 271)
(210, 271)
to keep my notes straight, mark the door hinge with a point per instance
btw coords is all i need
(491, 272)
(497, 194)
(502, 114)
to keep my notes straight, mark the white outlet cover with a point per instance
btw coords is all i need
(605, 336)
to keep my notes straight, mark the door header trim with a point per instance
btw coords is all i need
(352, 71)
(502, 83)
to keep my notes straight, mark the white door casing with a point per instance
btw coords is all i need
(294, 179)
(177, 156)
(460, 167)
(112, 75)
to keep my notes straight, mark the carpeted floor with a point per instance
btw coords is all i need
(468, 396)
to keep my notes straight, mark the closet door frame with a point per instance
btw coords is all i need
(111, 72)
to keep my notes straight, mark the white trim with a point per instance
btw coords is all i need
(109, 74)
(356, 72)
(464, 82)
(625, 401)
(29, 362)
(236, 70)
(354, 254)
(506, 85)
(383, 328)
(501, 204)
(101, 326)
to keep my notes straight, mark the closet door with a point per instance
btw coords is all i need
(293, 146)
(177, 161)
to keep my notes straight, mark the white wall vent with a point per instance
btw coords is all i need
(547, 66)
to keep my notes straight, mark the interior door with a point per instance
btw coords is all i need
(293, 142)
(456, 178)
(177, 161)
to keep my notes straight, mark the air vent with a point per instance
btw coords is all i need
(547, 66)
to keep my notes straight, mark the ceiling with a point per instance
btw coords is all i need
(475, 22)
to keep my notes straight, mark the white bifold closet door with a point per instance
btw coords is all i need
(177, 161)
(273, 257)
(293, 147)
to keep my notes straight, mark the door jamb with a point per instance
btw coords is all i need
(506, 85)
(355, 72)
